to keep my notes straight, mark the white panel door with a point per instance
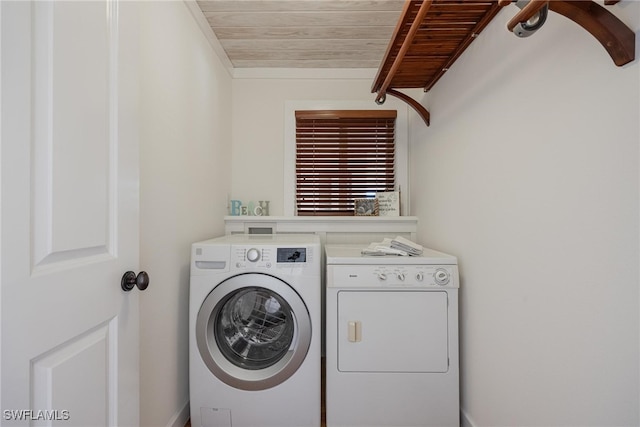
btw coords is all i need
(69, 219)
(393, 331)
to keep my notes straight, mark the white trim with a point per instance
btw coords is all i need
(203, 24)
(465, 419)
(304, 73)
(181, 417)
(637, 53)
(2, 283)
(402, 144)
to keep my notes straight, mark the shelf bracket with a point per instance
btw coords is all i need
(617, 39)
(422, 112)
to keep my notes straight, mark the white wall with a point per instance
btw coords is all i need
(185, 178)
(529, 174)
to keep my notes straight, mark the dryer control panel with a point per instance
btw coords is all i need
(410, 276)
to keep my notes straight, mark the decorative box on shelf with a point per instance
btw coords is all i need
(388, 203)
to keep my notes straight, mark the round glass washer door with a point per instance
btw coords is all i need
(253, 331)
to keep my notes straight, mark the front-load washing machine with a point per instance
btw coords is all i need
(392, 339)
(254, 331)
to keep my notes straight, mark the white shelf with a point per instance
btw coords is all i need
(330, 228)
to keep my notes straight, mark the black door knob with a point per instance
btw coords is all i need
(130, 280)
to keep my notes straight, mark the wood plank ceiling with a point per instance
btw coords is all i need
(303, 33)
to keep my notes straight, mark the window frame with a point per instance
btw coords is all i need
(402, 144)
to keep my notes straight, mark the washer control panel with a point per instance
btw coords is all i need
(420, 276)
(267, 257)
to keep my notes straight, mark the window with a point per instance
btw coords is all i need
(289, 155)
(342, 155)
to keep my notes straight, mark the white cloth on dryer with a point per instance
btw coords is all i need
(406, 245)
(382, 248)
(398, 246)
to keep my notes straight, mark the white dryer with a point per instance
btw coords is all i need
(254, 331)
(392, 339)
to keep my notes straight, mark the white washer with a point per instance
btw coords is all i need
(392, 339)
(254, 331)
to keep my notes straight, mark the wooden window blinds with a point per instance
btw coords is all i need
(342, 155)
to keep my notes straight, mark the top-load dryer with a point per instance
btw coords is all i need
(391, 339)
(254, 331)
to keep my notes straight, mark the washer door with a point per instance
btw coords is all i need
(253, 331)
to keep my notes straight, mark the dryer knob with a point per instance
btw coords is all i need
(442, 276)
(253, 255)
(401, 276)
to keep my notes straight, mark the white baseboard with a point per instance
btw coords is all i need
(181, 417)
(465, 419)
